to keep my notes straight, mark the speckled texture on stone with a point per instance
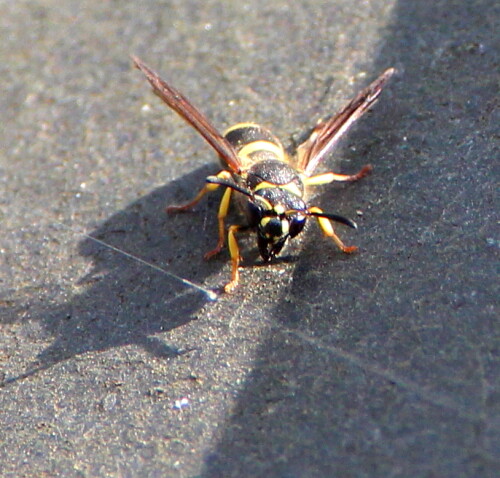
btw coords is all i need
(381, 364)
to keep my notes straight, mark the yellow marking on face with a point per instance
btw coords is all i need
(285, 226)
(265, 221)
(284, 223)
(279, 209)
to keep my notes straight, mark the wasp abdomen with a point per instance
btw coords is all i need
(242, 134)
(254, 143)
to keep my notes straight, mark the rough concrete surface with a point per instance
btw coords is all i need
(379, 364)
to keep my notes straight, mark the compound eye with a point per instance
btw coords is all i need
(297, 223)
(273, 227)
(254, 213)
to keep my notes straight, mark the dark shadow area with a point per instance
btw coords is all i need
(124, 301)
(382, 364)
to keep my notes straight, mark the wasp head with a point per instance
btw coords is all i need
(277, 217)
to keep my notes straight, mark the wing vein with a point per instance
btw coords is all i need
(327, 133)
(181, 105)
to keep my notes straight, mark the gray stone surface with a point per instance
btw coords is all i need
(381, 364)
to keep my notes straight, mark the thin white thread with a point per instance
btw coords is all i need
(212, 296)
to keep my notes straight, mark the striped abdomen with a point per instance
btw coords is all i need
(254, 143)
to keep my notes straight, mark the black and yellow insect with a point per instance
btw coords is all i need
(270, 188)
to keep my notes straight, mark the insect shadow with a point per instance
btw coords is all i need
(123, 301)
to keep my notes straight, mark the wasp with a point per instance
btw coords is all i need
(269, 186)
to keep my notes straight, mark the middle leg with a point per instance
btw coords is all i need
(330, 177)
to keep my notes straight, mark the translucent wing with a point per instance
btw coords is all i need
(327, 133)
(192, 115)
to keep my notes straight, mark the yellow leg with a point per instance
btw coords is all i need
(329, 177)
(206, 189)
(234, 250)
(223, 209)
(327, 228)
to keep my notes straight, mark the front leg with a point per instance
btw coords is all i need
(234, 251)
(209, 187)
(327, 178)
(221, 216)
